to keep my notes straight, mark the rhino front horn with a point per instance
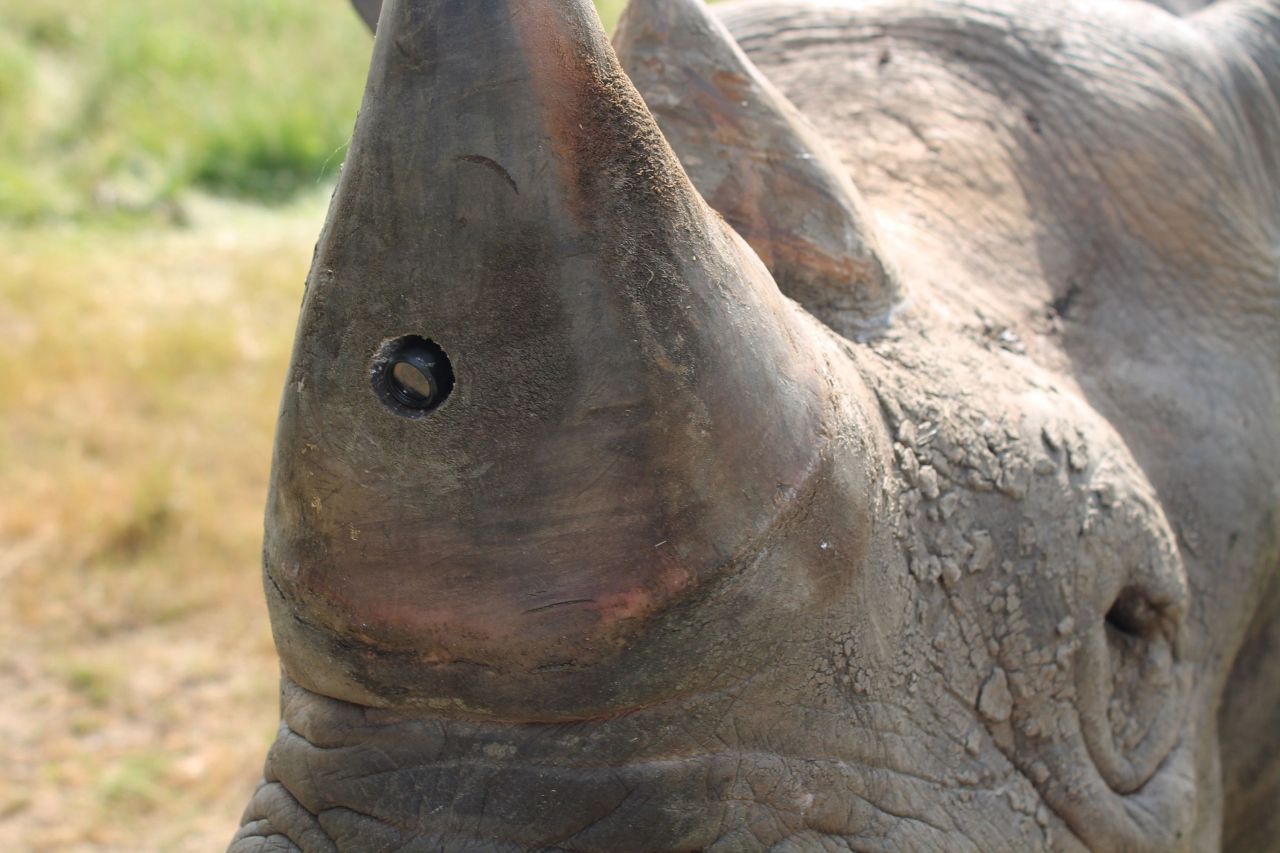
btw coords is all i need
(541, 396)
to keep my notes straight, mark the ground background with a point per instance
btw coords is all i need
(164, 166)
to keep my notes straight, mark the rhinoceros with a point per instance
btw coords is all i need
(797, 425)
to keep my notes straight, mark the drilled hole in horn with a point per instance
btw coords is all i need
(412, 376)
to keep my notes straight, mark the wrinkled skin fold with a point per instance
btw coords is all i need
(860, 434)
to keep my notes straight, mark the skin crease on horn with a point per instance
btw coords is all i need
(650, 557)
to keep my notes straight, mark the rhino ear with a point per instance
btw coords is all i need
(758, 162)
(368, 11)
(1250, 28)
(1245, 34)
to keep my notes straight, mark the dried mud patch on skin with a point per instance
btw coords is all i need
(1048, 590)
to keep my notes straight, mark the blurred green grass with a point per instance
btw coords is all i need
(145, 326)
(113, 109)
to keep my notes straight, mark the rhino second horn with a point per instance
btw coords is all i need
(758, 162)
(368, 11)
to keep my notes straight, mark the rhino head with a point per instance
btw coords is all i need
(862, 437)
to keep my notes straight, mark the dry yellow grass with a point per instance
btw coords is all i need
(139, 376)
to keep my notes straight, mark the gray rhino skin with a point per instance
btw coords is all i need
(969, 544)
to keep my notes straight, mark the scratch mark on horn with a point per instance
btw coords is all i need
(493, 166)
